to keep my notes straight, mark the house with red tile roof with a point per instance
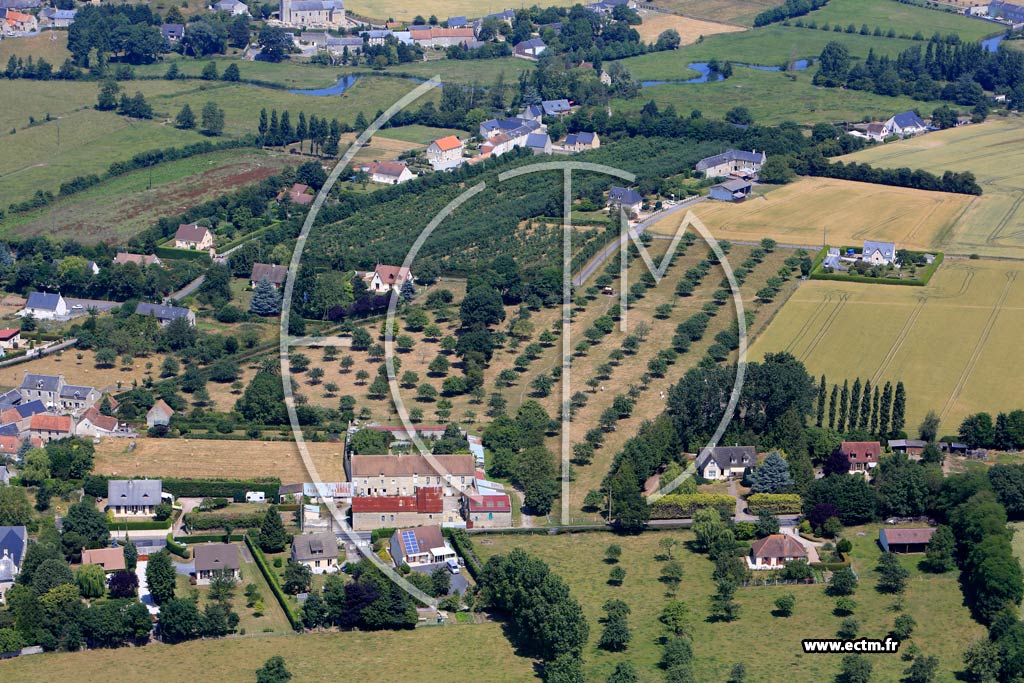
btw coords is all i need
(49, 427)
(445, 152)
(863, 455)
(10, 338)
(193, 236)
(297, 194)
(424, 507)
(775, 551)
(905, 540)
(95, 424)
(490, 511)
(384, 278)
(388, 172)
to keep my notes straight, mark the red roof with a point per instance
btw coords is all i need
(10, 415)
(428, 34)
(777, 545)
(45, 422)
(104, 422)
(9, 444)
(392, 169)
(861, 451)
(448, 143)
(919, 535)
(9, 333)
(428, 500)
(391, 275)
(191, 233)
(298, 194)
(490, 503)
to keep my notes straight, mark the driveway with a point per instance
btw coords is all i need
(811, 548)
(187, 505)
(144, 595)
(459, 582)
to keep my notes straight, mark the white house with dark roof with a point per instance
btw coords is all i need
(45, 306)
(625, 198)
(723, 462)
(419, 546)
(879, 253)
(165, 314)
(212, 559)
(580, 142)
(271, 272)
(172, 33)
(13, 543)
(732, 162)
(904, 125)
(388, 172)
(556, 107)
(317, 551)
(731, 190)
(233, 7)
(134, 497)
(529, 49)
(313, 13)
(193, 236)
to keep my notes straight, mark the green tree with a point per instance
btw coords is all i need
(903, 626)
(35, 467)
(91, 581)
(615, 636)
(274, 43)
(266, 300)
(50, 574)
(624, 672)
(212, 119)
(272, 538)
(85, 519)
(772, 475)
(899, 408)
(161, 577)
(185, 119)
(844, 582)
(15, 509)
(855, 669)
(922, 670)
(629, 510)
(785, 604)
(723, 606)
(180, 619)
(106, 100)
(939, 555)
(676, 617)
(273, 671)
(297, 578)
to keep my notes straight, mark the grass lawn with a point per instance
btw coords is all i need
(773, 642)
(1018, 540)
(990, 225)
(421, 135)
(402, 10)
(904, 18)
(948, 341)
(312, 658)
(121, 207)
(770, 96)
(49, 45)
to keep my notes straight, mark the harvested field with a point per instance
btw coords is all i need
(199, 458)
(808, 210)
(992, 224)
(84, 371)
(732, 11)
(948, 341)
(689, 29)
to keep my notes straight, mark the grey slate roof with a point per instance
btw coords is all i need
(531, 43)
(12, 542)
(316, 5)
(20, 4)
(10, 429)
(161, 312)
(41, 382)
(216, 556)
(46, 301)
(9, 399)
(73, 391)
(172, 31)
(729, 456)
(581, 138)
(133, 492)
(457, 22)
(537, 140)
(735, 185)
(888, 249)
(909, 119)
(553, 107)
(731, 155)
(624, 195)
(308, 547)
(31, 408)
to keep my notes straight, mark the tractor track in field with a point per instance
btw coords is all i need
(901, 338)
(986, 331)
(798, 337)
(840, 305)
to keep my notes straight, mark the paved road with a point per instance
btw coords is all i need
(638, 229)
(187, 289)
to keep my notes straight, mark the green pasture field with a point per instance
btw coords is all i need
(771, 97)
(403, 10)
(948, 341)
(741, 12)
(119, 208)
(903, 18)
(421, 135)
(992, 224)
(312, 658)
(49, 45)
(771, 647)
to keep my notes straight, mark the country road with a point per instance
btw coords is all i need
(614, 247)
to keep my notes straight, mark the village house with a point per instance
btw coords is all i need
(487, 511)
(212, 559)
(111, 559)
(419, 546)
(97, 425)
(134, 497)
(581, 142)
(10, 338)
(862, 455)
(904, 125)
(775, 552)
(232, 7)
(388, 172)
(45, 306)
(57, 18)
(912, 447)
(140, 260)
(723, 462)
(193, 236)
(13, 543)
(49, 428)
(159, 414)
(313, 13)
(425, 506)
(445, 153)
(441, 37)
(317, 551)
(732, 162)
(21, 22)
(172, 33)
(165, 314)
(732, 190)
(540, 143)
(507, 16)
(45, 388)
(15, 420)
(271, 272)
(905, 540)
(383, 278)
(297, 194)
(627, 199)
(402, 475)
(529, 49)
(879, 253)
(556, 107)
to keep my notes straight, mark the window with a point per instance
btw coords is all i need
(317, 563)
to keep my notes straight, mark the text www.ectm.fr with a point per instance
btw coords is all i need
(870, 645)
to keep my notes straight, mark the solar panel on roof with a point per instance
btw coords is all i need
(412, 546)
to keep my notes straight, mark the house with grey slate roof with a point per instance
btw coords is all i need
(732, 162)
(165, 314)
(45, 306)
(318, 551)
(626, 198)
(723, 462)
(134, 497)
(13, 542)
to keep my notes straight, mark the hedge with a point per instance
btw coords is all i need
(833, 566)
(683, 505)
(261, 561)
(176, 548)
(140, 525)
(924, 276)
(207, 538)
(204, 522)
(96, 485)
(378, 534)
(164, 251)
(774, 503)
(464, 547)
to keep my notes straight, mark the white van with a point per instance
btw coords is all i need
(453, 565)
